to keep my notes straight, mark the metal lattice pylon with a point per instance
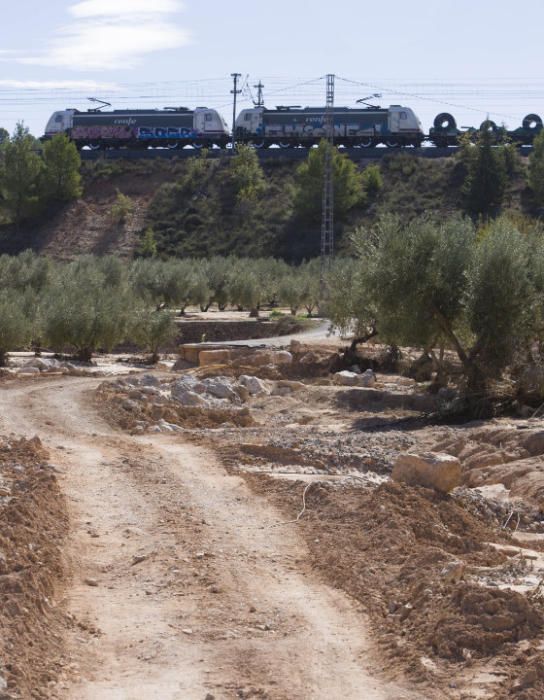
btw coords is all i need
(327, 212)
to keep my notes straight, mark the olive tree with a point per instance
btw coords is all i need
(424, 282)
(152, 329)
(15, 324)
(84, 312)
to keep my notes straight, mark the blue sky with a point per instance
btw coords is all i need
(461, 56)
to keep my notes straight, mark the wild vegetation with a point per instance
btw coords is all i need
(33, 177)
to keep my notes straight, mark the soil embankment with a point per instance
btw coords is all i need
(184, 586)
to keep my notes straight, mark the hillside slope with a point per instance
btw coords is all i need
(194, 210)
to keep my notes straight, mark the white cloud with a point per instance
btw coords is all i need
(112, 35)
(116, 8)
(90, 85)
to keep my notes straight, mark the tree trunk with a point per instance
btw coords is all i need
(85, 354)
(254, 313)
(362, 339)
(3, 358)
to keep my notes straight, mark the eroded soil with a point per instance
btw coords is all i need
(254, 546)
(182, 585)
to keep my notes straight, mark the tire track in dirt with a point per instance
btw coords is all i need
(185, 585)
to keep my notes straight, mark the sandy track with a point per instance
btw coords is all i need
(195, 592)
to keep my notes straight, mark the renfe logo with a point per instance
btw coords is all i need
(170, 132)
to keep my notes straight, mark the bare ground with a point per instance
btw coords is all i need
(184, 585)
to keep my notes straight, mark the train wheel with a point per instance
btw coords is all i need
(365, 143)
(284, 144)
(196, 145)
(489, 125)
(532, 122)
(392, 144)
(445, 122)
(95, 146)
(257, 144)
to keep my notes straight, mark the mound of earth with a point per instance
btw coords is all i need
(412, 557)
(501, 453)
(33, 525)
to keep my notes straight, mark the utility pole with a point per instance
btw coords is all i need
(327, 210)
(260, 98)
(235, 92)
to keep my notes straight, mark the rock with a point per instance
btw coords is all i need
(186, 397)
(259, 358)
(346, 378)
(91, 582)
(367, 378)
(29, 370)
(149, 380)
(213, 357)
(254, 385)
(186, 381)
(181, 364)
(242, 392)
(282, 357)
(150, 390)
(534, 443)
(130, 405)
(170, 427)
(295, 346)
(422, 369)
(138, 558)
(221, 388)
(43, 364)
(435, 470)
(284, 387)
(453, 572)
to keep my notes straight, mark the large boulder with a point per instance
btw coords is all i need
(186, 397)
(534, 443)
(29, 370)
(150, 380)
(254, 385)
(260, 358)
(213, 357)
(44, 364)
(220, 387)
(434, 470)
(346, 378)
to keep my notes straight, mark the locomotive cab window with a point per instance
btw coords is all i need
(208, 117)
(247, 117)
(403, 115)
(58, 118)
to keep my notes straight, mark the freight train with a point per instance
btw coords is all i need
(284, 127)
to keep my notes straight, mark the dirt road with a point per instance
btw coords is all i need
(184, 586)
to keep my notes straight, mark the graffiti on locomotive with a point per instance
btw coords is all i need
(109, 131)
(169, 132)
